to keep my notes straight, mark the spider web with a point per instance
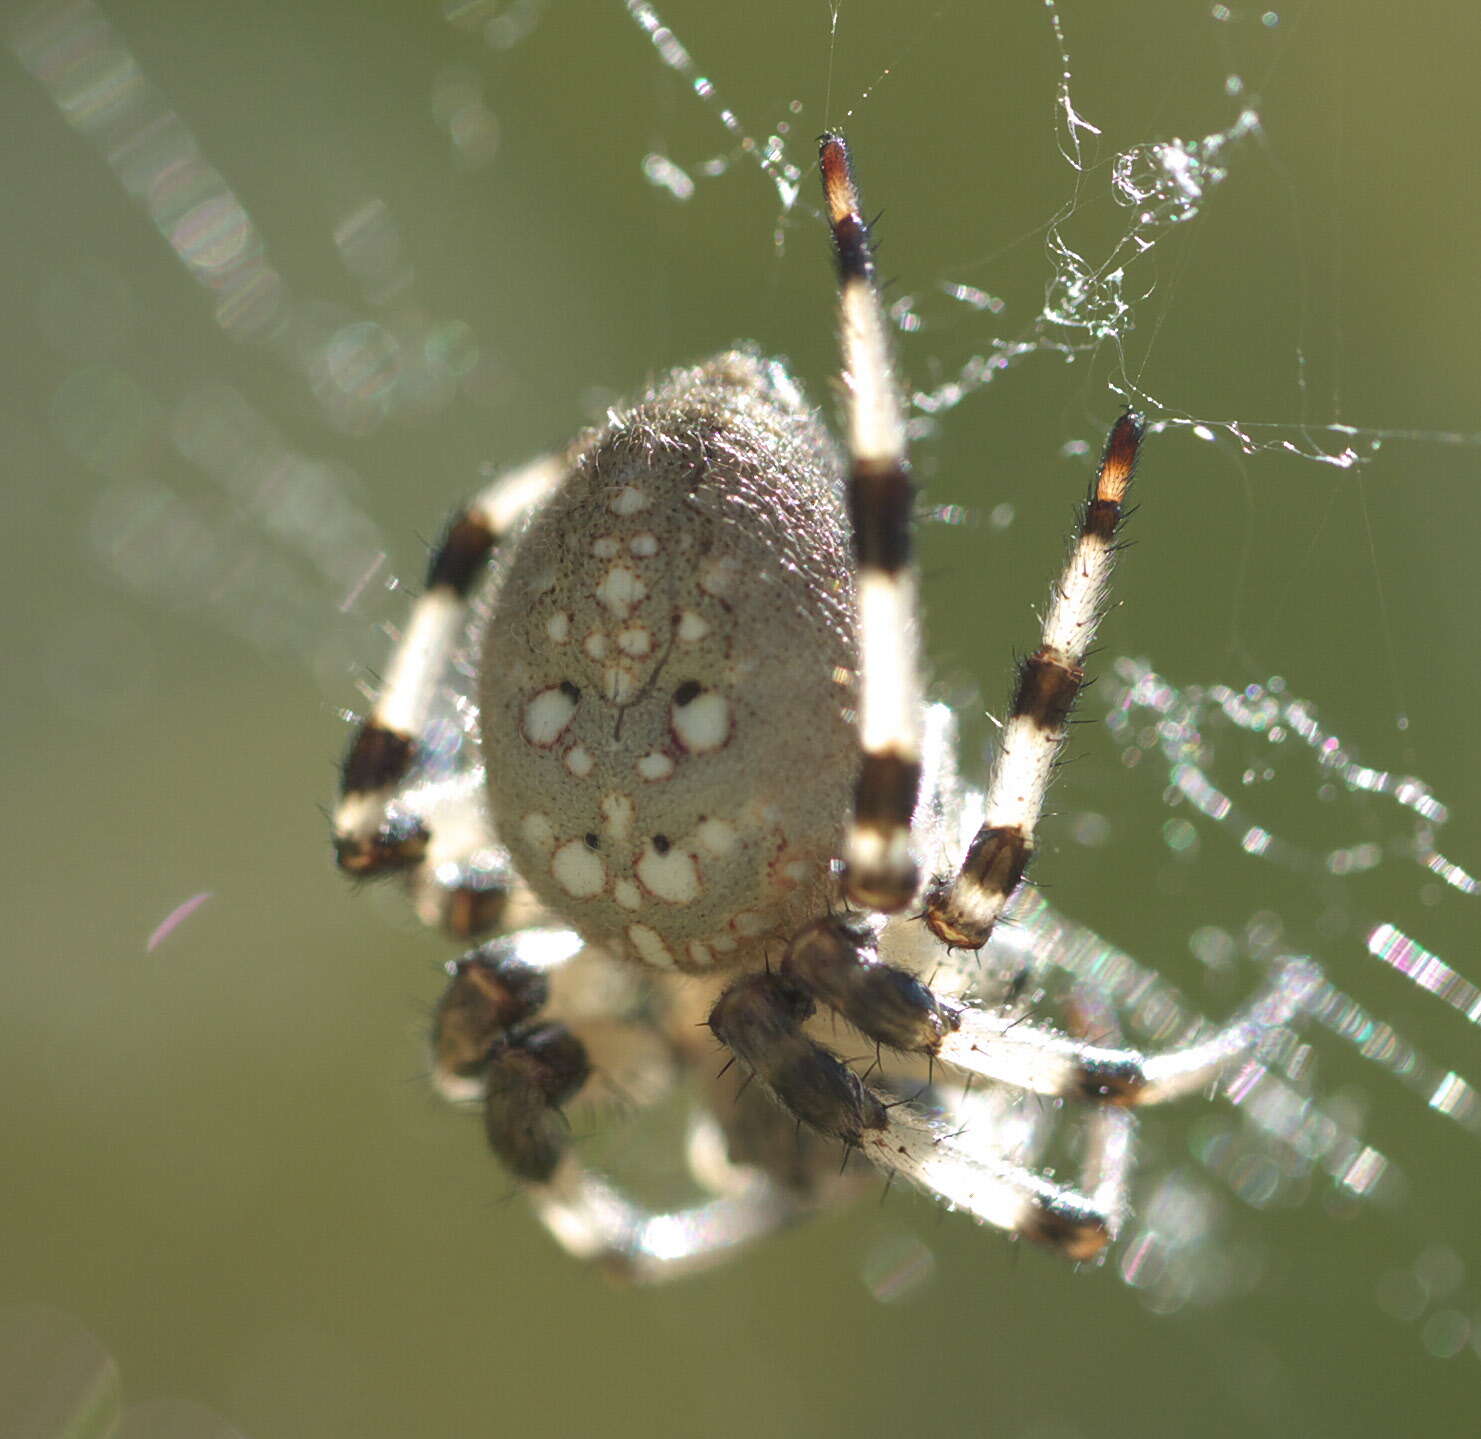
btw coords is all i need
(1103, 285)
(258, 517)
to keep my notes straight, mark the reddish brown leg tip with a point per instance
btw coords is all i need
(1118, 463)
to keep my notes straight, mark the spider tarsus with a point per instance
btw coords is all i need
(393, 849)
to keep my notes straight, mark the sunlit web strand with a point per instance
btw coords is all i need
(1165, 184)
(1349, 445)
(360, 371)
(1161, 1254)
(1069, 122)
(1269, 1102)
(1317, 1133)
(1441, 1089)
(1411, 959)
(1306, 1127)
(1265, 710)
(769, 156)
(1181, 717)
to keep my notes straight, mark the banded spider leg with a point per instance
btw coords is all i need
(833, 962)
(530, 1023)
(433, 832)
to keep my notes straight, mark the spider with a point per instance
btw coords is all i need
(711, 803)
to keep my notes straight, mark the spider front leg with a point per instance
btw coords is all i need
(380, 828)
(834, 960)
(879, 869)
(963, 911)
(760, 1019)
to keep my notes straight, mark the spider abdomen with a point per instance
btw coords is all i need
(668, 673)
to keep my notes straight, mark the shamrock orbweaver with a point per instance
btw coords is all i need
(707, 792)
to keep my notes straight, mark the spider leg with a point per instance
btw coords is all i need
(761, 1017)
(1045, 1061)
(963, 911)
(595, 1222)
(373, 833)
(494, 992)
(1110, 1129)
(834, 960)
(464, 882)
(495, 1045)
(879, 869)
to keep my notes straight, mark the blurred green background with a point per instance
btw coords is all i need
(222, 1168)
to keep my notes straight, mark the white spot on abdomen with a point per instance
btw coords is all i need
(672, 877)
(539, 832)
(692, 628)
(547, 715)
(717, 576)
(619, 684)
(703, 723)
(628, 501)
(643, 545)
(578, 870)
(558, 628)
(627, 894)
(650, 946)
(620, 590)
(716, 837)
(635, 641)
(618, 809)
(579, 761)
(655, 766)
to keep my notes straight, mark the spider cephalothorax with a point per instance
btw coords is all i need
(707, 794)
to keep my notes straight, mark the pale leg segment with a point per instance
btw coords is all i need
(373, 834)
(962, 911)
(1028, 1056)
(879, 869)
(595, 1222)
(760, 1018)
(496, 1046)
(834, 961)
